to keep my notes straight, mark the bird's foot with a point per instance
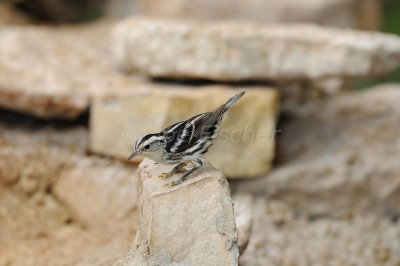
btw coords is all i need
(165, 175)
(173, 183)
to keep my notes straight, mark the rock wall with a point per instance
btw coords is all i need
(330, 198)
(55, 200)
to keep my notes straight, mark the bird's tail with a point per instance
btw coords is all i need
(233, 100)
(219, 113)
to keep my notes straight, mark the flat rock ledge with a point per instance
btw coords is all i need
(189, 224)
(232, 51)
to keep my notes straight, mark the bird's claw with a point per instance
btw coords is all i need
(165, 175)
(172, 183)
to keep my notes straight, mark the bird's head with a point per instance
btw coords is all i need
(148, 145)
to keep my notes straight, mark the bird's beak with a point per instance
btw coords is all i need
(133, 155)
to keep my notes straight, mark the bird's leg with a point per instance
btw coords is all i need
(174, 170)
(196, 165)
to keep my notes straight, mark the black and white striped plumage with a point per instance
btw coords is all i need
(185, 141)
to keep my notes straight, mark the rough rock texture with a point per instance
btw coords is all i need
(244, 212)
(59, 206)
(239, 51)
(190, 224)
(279, 238)
(362, 14)
(110, 189)
(56, 77)
(244, 148)
(339, 156)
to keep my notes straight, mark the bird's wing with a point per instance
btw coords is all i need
(177, 136)
(183, 135)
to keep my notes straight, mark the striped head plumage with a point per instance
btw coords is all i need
(185, 141)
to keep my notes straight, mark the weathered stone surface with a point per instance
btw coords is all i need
(244, 148)
(95, 191)
(41, 222)
(243, 208)
(106, 192)
(55, 77)
(231, 51)
(362, 14)
(338, 157)
(279, 238)
(190, 224)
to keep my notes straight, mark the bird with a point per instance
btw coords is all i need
(185, 142)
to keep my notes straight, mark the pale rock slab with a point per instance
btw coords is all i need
(364, 14)
(54, 71)
(234, 51)
(337, 157)
(189, 224)
(244, 147)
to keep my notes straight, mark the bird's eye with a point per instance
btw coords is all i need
(147, 147)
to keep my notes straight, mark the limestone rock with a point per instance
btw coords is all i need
(339, 13)
(190, 224)
(338, 157)
(362, 240)
(244, 148)
(58, 76)
(243, 208)
(233, 51)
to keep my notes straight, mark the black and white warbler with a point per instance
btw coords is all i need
(184, 142)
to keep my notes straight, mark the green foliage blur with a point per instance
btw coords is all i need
(390, 24)
(391, 16)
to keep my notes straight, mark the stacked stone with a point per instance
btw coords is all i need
(229, 52)
(72, 72)
(63, 72)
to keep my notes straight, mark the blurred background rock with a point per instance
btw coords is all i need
(381, 15)
(324, 191)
